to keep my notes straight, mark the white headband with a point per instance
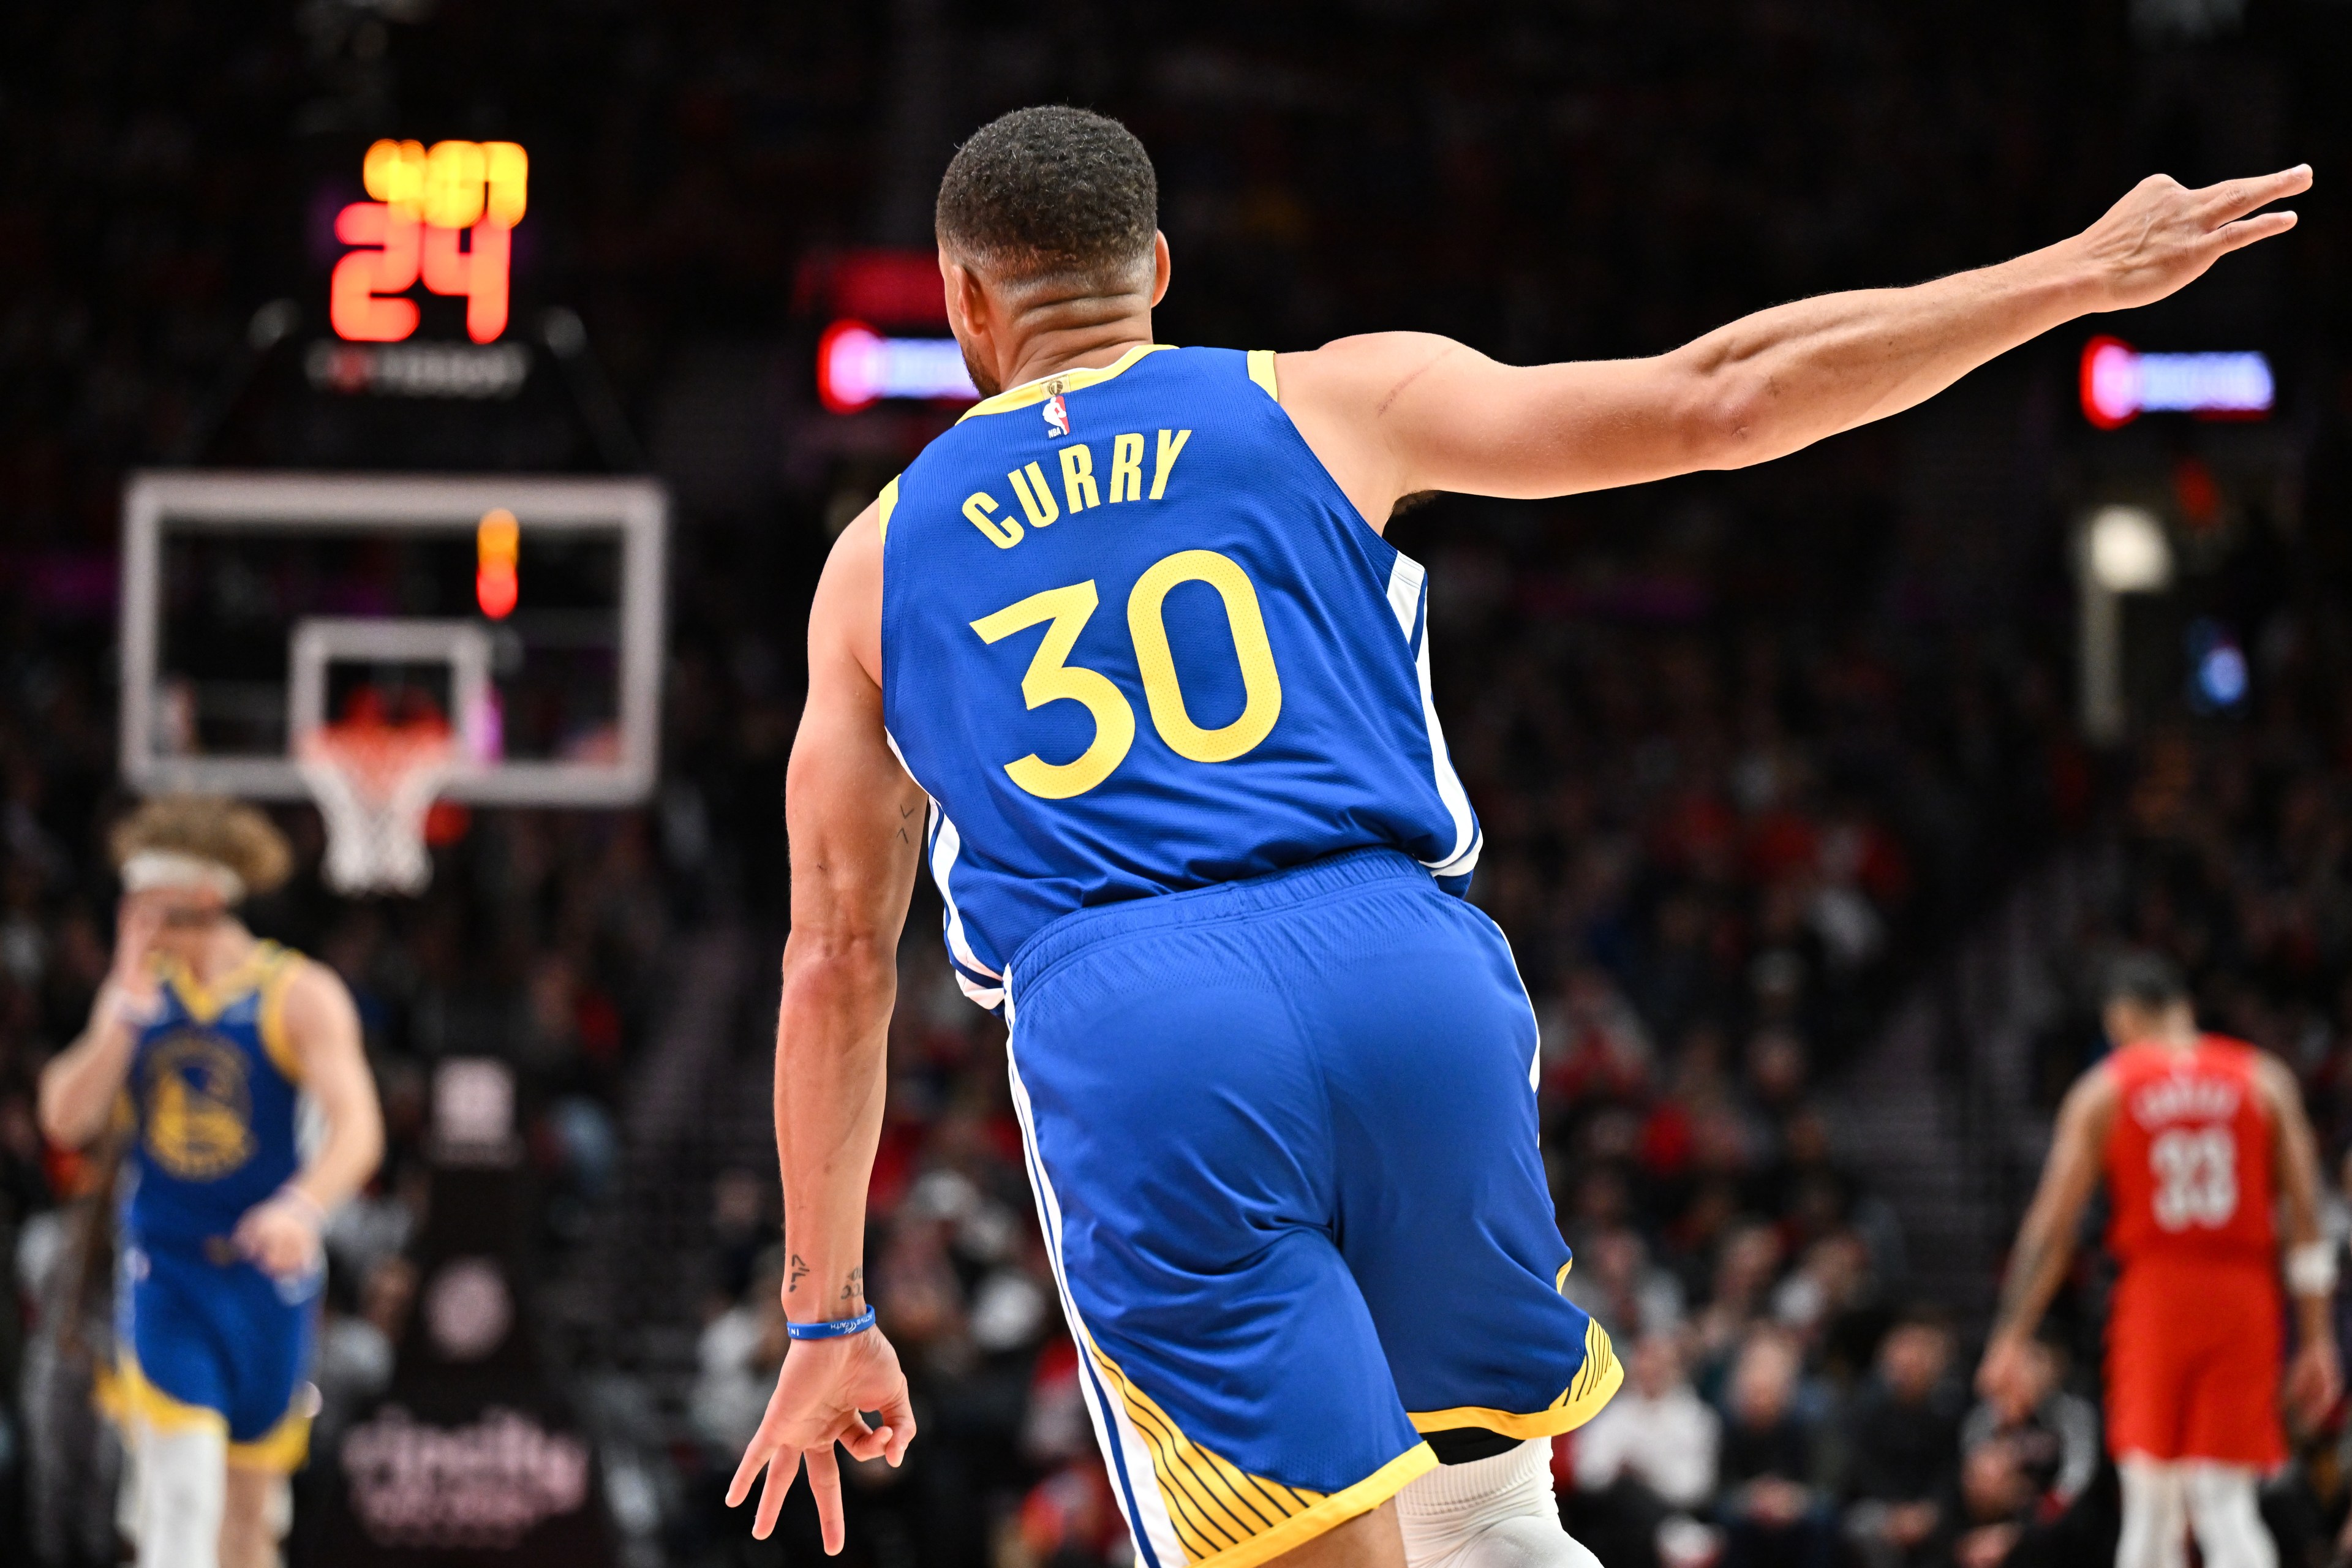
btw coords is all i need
(152, 868)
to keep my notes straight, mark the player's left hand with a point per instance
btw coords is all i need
(819, 1391)
(2163, 235)
(2313, 1380)
(280, 1237)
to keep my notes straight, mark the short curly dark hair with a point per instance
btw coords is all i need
(1052, 193)
(2145, 979)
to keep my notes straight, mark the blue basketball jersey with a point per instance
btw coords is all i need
(1136, 640)
(213, 1088)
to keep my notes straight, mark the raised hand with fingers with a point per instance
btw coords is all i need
(820, 1393)
(2163, 235)
(131, 980)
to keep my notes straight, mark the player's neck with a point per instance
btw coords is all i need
(1073, 334)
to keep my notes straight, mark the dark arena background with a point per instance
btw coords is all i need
(1814, 794)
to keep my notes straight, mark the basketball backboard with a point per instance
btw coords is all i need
(525, 613)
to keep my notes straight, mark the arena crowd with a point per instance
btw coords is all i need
(1751, 751)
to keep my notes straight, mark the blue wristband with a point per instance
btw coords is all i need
(833, 1331)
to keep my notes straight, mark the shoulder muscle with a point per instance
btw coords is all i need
(2089, 1107)
(845, 617)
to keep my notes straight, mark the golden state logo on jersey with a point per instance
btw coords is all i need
(195, 1106)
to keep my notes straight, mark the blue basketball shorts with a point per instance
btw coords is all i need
(1283, 1135)
(203, 1338)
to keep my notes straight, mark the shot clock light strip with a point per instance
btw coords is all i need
(857, 367)
(498, 547)
(2120, 384)
(424, 199)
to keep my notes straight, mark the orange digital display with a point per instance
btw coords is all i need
(443, 215)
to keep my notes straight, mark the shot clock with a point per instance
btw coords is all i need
(442, 216)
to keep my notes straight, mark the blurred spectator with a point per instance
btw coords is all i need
(2052, 1435)
(1616, 1281)
(356, 1353)
(1996, 1502)
(1746, 1260)
(1774, 1513)
(64, 1274)
(1904, 1438)
(736, 1364)
(1646, 1464)
(1070, 1520)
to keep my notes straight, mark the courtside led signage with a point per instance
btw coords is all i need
(2120, 384)
(442, 215)
(857, 365)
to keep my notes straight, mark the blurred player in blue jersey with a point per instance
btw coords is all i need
(1125, 658)
(211, 1038)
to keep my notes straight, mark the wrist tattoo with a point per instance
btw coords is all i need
(798, 1272)
(853, 1288)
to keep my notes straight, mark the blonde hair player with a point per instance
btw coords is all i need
(213, 1037)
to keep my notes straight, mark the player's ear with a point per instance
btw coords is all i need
(1160, 266)
(961, 291)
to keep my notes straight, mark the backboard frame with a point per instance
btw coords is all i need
(320, 641)
(245, 501)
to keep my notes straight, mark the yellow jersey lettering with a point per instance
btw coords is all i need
(1261, 682)
(1126, 467)
(1050, 679)
(1004, 534)
(1079, 477)
(1036, 500)
(1168, 450)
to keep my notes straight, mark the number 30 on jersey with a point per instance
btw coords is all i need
(1051, 679)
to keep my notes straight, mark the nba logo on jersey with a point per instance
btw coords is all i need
(1057, 417)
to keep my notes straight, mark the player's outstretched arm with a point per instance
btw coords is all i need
(1395, 412)
(281, 1233)
(2045, 1241)
(2313, 1379)
(856, 824)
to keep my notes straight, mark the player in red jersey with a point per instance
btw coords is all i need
(2199, 1137)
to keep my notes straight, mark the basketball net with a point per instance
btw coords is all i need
(374, 781)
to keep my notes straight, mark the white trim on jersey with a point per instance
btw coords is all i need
(1137, 1481)
(946, 845)
(1408, 597)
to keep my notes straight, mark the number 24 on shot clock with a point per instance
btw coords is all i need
(444, 215)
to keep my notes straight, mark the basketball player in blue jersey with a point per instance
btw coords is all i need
(1124, 657)
(211, 1037)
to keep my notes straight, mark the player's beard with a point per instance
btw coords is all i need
(982, 378)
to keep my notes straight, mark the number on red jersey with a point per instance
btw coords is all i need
(2196, 1171)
